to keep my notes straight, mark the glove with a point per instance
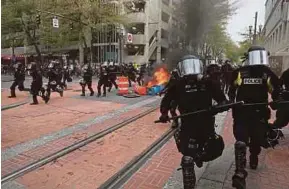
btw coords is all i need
(164, 118)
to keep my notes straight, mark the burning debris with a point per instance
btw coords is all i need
(156, 83)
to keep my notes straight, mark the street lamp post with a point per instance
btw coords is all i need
(120, 43)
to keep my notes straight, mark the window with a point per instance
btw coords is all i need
(135, 50)
(165, 17)
(136, 29)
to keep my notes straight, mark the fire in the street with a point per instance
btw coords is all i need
(161, 76)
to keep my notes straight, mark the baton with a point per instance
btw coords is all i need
(214, 108)
(265, 103)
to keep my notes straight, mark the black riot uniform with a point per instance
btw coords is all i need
(19, 78)
(251, 84)
(226, 70)
(112, 70)
(65, 76)
(173, 106)
(103, 80)
(54, 75)
(86, 79)
(282, 118)
(36, 85)
(131, 71)
(193, 92)
(141, 74)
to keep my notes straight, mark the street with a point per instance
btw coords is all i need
(52, 142)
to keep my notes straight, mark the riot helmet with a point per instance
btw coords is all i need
(51, 65)
(111, 63)
(190, 66)
(18, 65)
(104, 64)
(257, 56)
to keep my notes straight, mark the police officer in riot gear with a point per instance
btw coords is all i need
(66, 76)
(282, 118)
(36, 85)
(141, 74)
(173, 106)
(112, 70)
(251, 84)
(131, 71)
(103, 80)
(54, 79)
(19, 78)
(86, 79)
(193, 92)
(226, 71)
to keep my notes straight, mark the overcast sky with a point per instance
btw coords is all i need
(244, 17)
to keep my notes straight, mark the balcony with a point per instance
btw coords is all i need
(138, 39)
(136, 17)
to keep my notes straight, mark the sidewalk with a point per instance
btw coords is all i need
(272, 172)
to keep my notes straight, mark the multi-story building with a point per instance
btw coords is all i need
(277, 31)
(143, 37)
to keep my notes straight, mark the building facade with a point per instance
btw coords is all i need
(276, 30)
(144, 36)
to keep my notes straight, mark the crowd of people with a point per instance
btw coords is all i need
(59, 75)
(192, 89)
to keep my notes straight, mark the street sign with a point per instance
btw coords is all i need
(129, 38)
(55, 23)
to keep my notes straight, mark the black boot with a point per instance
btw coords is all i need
(13, 94)
(91, 93)
(82, 94)
(253, 161)
(35, 101)
(98, 95)
(239, 178)
(189, 176)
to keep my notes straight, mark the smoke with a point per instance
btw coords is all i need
(198, 18)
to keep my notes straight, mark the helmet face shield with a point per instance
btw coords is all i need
(257, 57)
(190, 67)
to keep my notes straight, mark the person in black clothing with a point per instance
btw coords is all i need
(226, 74)
(282, 118)
(36, 85)
(251, 84)
(65, 76)
(131, 71)
(54, 79)
(141, 74)
(173, 107)
(112, 70)
(103, 80)
(193, 92)
(86, 79)
(19, 78)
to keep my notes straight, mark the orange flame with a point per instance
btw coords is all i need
(161, 76)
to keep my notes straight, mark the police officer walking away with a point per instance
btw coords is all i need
(112, 70)
(251, 84)
(103, 80)
(19, 78)
(87, 79)
(36, 85)
(282, 118)
(193, 92)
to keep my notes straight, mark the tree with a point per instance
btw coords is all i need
(85, 14)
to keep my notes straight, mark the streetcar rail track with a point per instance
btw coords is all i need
(119, 178)
(43, 161)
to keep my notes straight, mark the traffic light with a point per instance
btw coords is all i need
(38, 19)
(71, 25)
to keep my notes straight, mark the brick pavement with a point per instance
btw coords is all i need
(27, 122)
(272, 172)
(155, 173)
(42, 151)
(96, 162)
(21, 97)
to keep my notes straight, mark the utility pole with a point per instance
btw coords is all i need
(255, 29)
